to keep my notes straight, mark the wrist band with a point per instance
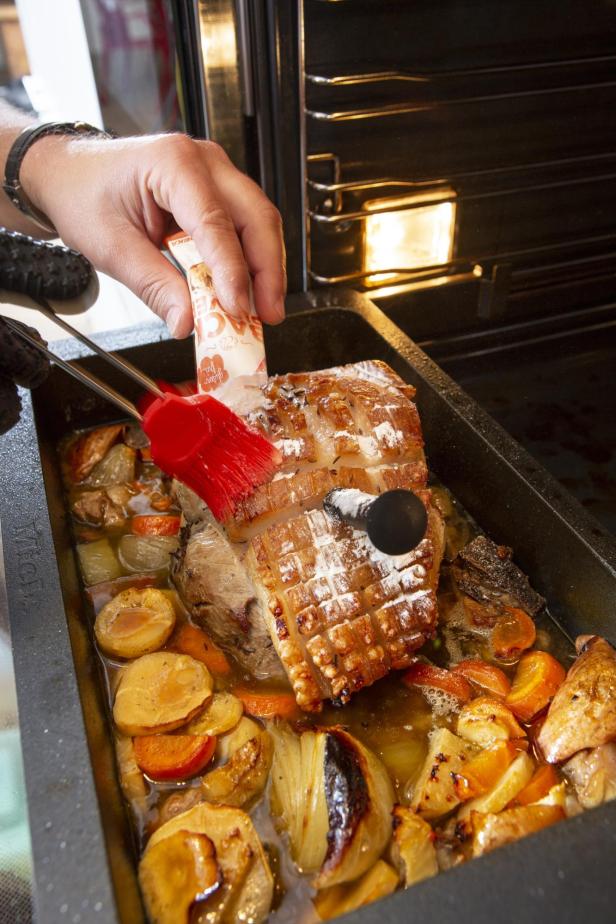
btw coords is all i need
(21, 145)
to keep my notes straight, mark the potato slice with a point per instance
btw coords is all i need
(492, 831)
(412, 848)
(513, 781)
(222, 713)
(231, 741)
(160, 692)
(247, 885)
(378, 882)
(136, 622)
(485, 720)
(244, 776)
(176, 874)
(435, 794)
(131, 778)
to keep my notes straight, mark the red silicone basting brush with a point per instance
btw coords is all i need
(196, 439)
(204, 444)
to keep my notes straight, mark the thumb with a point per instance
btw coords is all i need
(140, 265)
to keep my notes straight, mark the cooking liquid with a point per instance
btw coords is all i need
(389, 718)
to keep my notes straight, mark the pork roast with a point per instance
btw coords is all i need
(285, 584)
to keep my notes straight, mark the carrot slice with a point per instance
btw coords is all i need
(537, 678)
(194, 642)
(540, 784)
(513, 633)
(421, 674)
(173, 757)
(482, 773)
(490, 679)
(155, 525)
(266, 704)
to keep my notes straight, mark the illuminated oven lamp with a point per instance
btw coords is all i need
(411, 237)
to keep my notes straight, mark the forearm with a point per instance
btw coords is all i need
(12, 122)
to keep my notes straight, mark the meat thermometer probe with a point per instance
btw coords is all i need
(395, 521)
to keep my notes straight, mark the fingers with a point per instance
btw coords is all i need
(189, 193)
(151, 277)
(260, 228)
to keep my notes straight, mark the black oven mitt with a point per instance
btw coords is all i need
(20, 364)
(41, 270)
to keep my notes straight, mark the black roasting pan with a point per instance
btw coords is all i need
(84, 862)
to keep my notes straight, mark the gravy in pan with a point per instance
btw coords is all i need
(390, 718)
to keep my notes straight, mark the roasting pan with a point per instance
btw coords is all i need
(84, 861)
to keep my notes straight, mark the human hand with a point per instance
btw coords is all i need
(20, 364)
(116, 200)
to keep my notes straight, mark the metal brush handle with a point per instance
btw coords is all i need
(86, 378)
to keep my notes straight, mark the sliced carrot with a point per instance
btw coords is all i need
(421, 674)
(513, 633)
(488, 678)
(540, 784)
(155, 525)
(194, 642)
(482, 772)
(173, 757)
(266, 704)
(537, 678)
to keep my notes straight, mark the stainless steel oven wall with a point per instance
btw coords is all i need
(508, 105)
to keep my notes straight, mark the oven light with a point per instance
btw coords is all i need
(219, 42)
(409, 238)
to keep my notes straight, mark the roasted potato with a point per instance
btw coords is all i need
(491, 831)
(178, 874)
(485, 720)
(222, 713)
(160, 692)
(246, 884)
(378, 882)
(434, 793)
(412, 848)
(136, 622)
(243, 777)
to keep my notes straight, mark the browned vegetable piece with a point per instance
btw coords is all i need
(485, 720)
(517, 775)
(90, 448)
(435, 793)
(593, 774)
(176, 875)
(492, 831)
(412, 848)
(117, 467)
(102, 506)
(583, 711)
(222, 713)
(243, 777)
(131, 778)
(378, 882)
(247, 886)
(136, 622)
(159, 692)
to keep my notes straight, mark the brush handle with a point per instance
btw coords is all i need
(230, 352)
(86, 378)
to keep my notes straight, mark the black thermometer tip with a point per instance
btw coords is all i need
(396, 522)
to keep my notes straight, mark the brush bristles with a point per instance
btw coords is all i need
(237, 461)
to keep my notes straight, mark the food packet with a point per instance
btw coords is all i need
(230, 353)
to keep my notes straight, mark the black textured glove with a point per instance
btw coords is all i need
(20, 364)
